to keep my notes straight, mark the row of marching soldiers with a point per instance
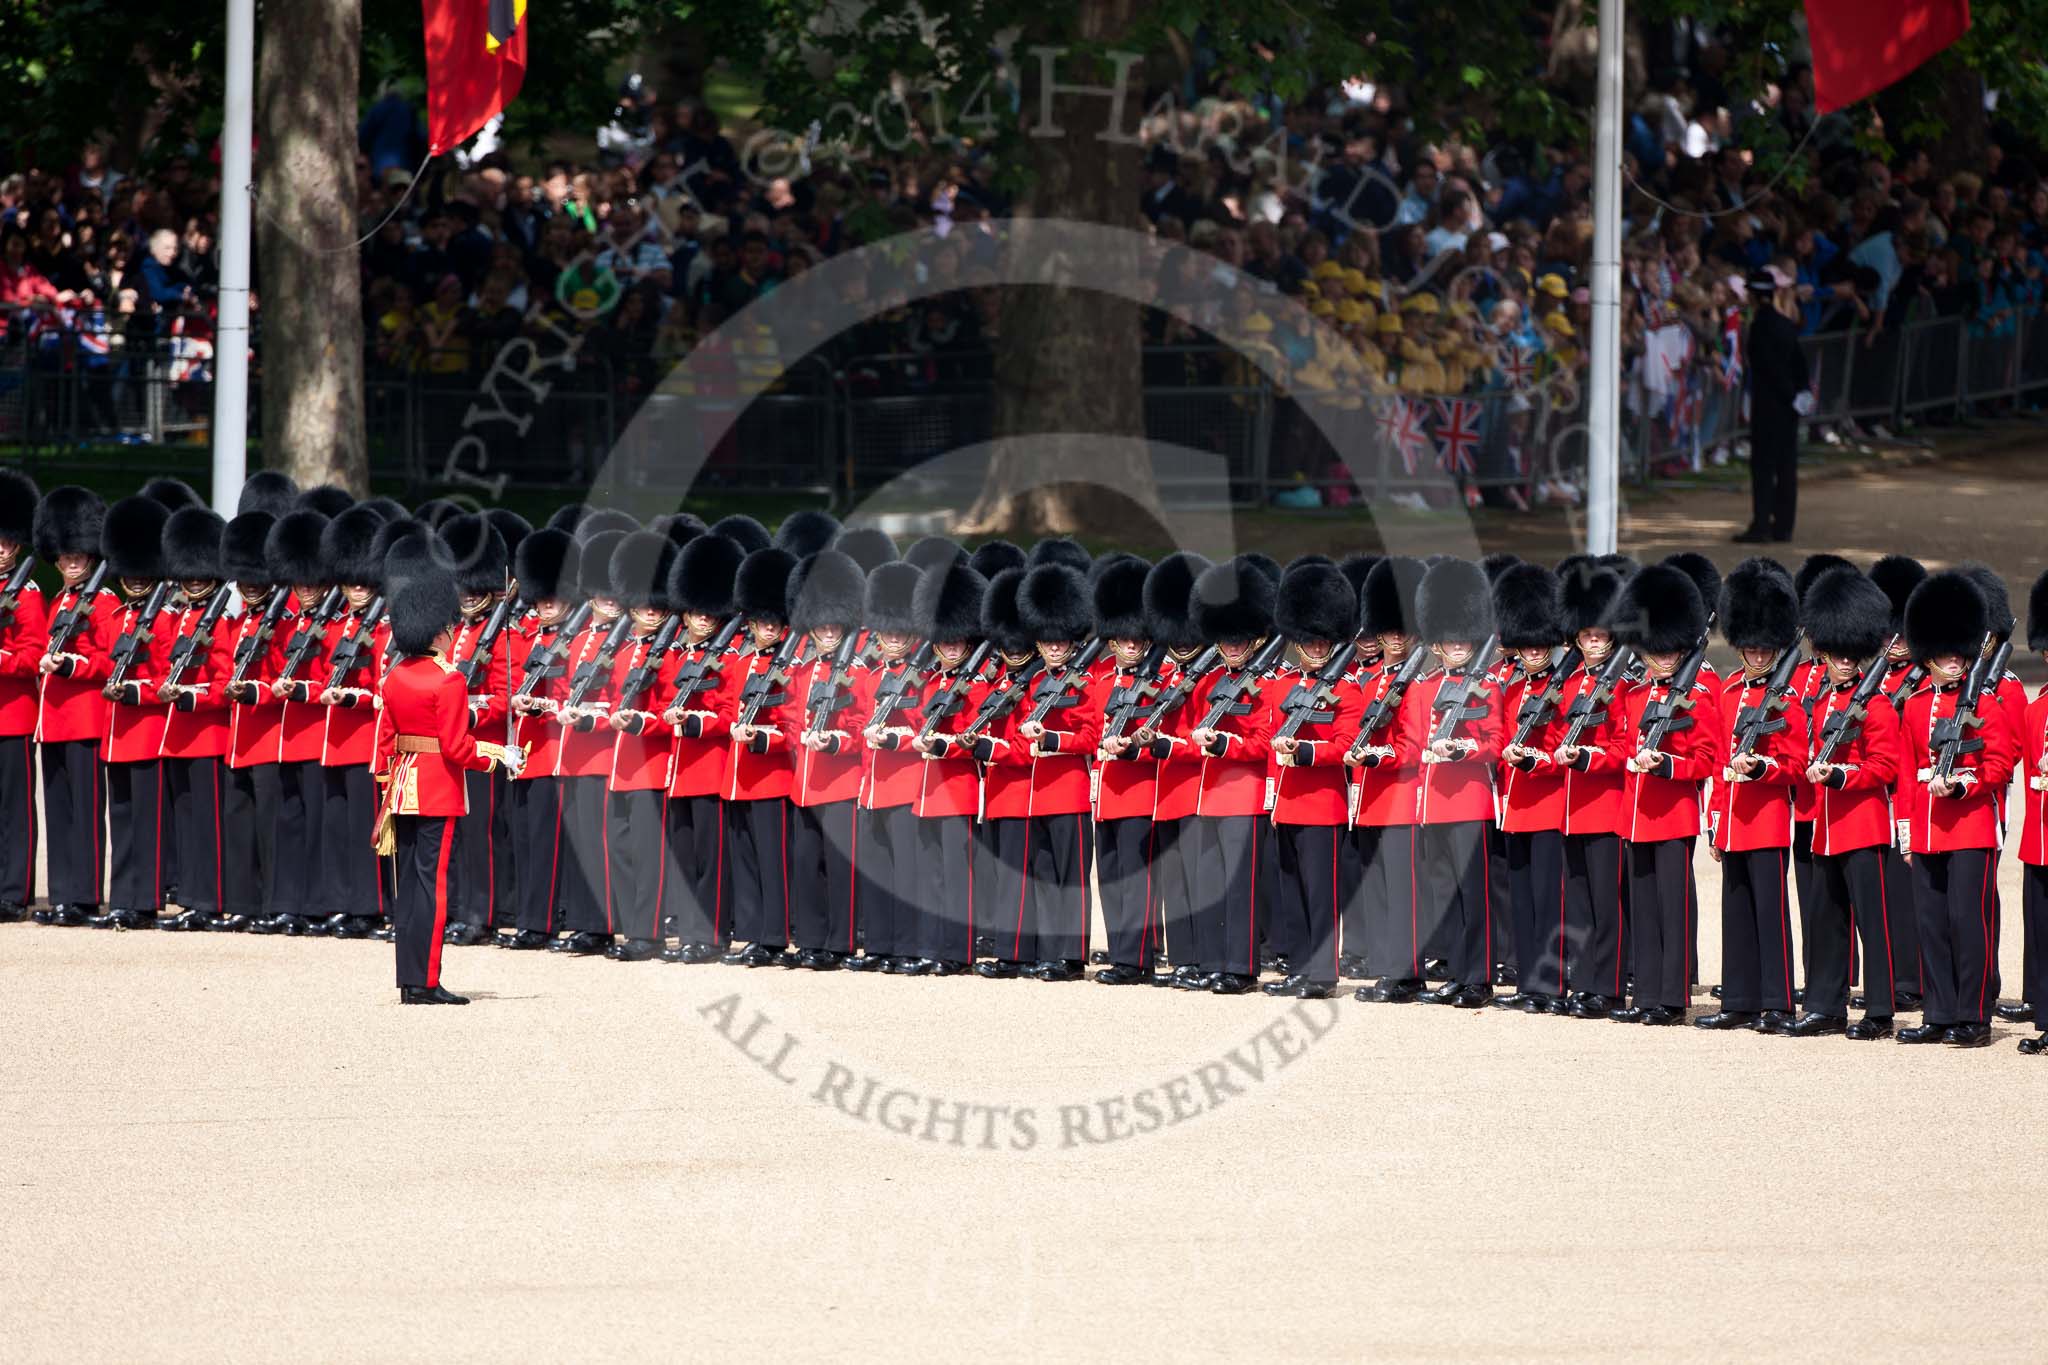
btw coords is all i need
(803, 749)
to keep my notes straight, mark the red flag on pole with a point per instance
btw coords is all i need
(1861, 46)
(476, 58)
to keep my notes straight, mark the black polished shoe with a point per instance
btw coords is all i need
(429, 995)
(1435, 969)
(1923, 1033)
(46, 915)
(587, 944)
(1628, 1014)
(11, 913)
(1869, 1029)
(1715, 991)
(1391, 991)
(1814, 1025)
(984, 946)
(525, 941)
(355, 927)
(2034, 1046)
(1911, 1002)
(266, 926)
(2020, 1013)
(821, 960)
(1591, 1006)
(900, 965)
(381, 930)
(947, 966)
(698, 954)
(1504, 975)
(1286, 985)
(634, 950)
(1439, 995)
(1059, 970)
(1351, 967)
(190, 922)
(1232, 983)
(231, 924)
(866, 963)
(1472, 997)
(1274, 962)
(466, 935)
(1663, 1016)
(1968, 1035)
(1727, 1019)
(1121, 975)
(294, 926)
(1774, 1021)
(993, 969)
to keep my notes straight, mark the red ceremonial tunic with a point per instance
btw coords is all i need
(2034, 823)
(135, 730)
(1666, 804)
(1234, 770)
(350, 737)
(22, 642)
(825, 775)
(197, 726)
(1975, 816)
(1593, 787)
(1757, 813)
(1854, 810)
(426, 699)
(1457, 789)
(254, 732)
(1532, 796)
(1315, 789)
(70, 706)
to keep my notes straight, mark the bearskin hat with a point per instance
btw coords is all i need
(512, 528)
(1053, 603)
(172, 493)
(132, 538)
(1497, 564)
(1659, 611)
(1315, 601)
(1812, 567)
(994, 556)
(1233, 601)
(326, 499)
(1703, 573)
(67, 522)
(826, 589)
(760, 590)
(1059, 550)
(1585, 592)
(291, 551)
(18, 499)
(1118, 595)
(1528, 608)
(1387, 606)
(705, 570)
(192, 544)
(1759, 607)
(1946, 614)
(1168, 600)
(1265, 564)
(1996, 599)
(422, 605)
(889, 606)
(1898, 575)
(1619, 563)
(637, 570)
(680, 527)
(267, 490)
(947, 603)
(2037, 614)
(434, 511)
(477, 554)
(748, 533)
(410, 551)
(1847, 615)
(1355, 568)
(546, 565)
(935, 551)
(389, 532)
(596, 520)
(999, 621)
(388, 509)
(1571, 564)
(1454, 602)
(805, 532)
(594, 562)
(241, 549)
(870, 546)
(568, 517)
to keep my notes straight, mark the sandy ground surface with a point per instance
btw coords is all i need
(231, 1147)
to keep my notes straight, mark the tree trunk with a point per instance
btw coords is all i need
(311, 352)
(1067, 360)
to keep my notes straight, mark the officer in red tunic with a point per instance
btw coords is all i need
(477, 557)
(291, 554)
(24, 636)
(131, 541)
(1751, 816)
(1127, 783)
(1954, 824)
(1898, 575)
(424, 746)
(546, 566)
(698, 892)
(1671, 729)
(886, 710)
(1317, 610)
(2034, 837)
(353, 893)
(1387, 787)
(195, 742)
(583, 760)
(71, 715)
(1529, 619)
(947, 608)
(1168, 619)
(1594, 774)
(252, 786)
(1848, 620)
(824, 603)
(637, 859)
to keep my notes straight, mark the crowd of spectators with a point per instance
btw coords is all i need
(1440, 266)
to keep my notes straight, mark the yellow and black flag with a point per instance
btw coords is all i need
(476, 58)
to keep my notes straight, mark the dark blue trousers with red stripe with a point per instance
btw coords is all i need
(1226, 889)
(17, 821)
(1956, 899)
(1756, 930)
(135, 829)
(419, 911)
(74, 807)
(945, 855)
(1661, 928)
(634, 862)
(1125, 852)
(1536, 882)
(1313, 879)
(757, 843)
(696, 891)
(1855, 905)
(1456, 887)
(1594, 930)
(197, 790)
(533, 807)
(824, 860)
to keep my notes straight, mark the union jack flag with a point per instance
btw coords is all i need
(1411, 433)
(1458, 434)
(1518, 368)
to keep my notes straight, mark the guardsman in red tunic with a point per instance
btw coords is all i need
(24, 636)
(1671, 728)
(753, 713)
(1315, 719)
(1809, 681)
(637, 861)
(136, 639)
(886, 708)
(583, 758)
(1954, 810)
(1529, 616)
(1594, 772)
(423, 748)
(1168, 620)
(2034, 837)
(1365, 662)
(825, 603)
(253, 786)
(1847, 621)
(481, 565)
(1384, 814)
(1127, 781)
(699, 889)
(546, 564)
(1763, 734)
(947, 609)
(1898, 575)
(195, 741)
(292, 551)
(353, 893)
(71, 715)
(1005, 780)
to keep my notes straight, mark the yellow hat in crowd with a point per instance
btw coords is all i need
(1327, 269)
(1322, 308)
(1258, 322)
(1461, 308)
(1554, 286)
(1424, 304)
(1390, 322)
(1560, 324)
(1354, 281)
(1350, 311)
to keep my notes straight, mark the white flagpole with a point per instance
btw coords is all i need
(1603, 454)
(231, 335)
